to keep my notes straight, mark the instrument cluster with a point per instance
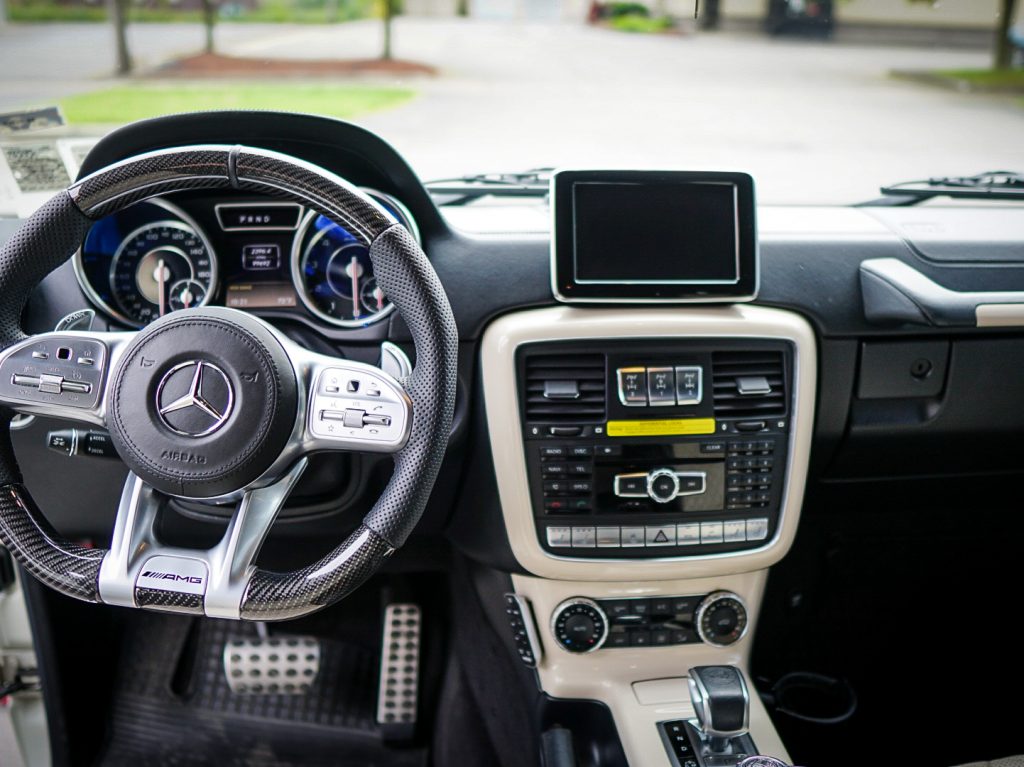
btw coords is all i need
(254, 254)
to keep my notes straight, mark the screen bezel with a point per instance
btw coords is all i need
(568, 290)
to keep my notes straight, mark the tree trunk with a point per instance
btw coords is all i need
(1004, 51)
(209, 19)
(118, 10)
(388, 14)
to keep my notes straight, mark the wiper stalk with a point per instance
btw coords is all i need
(465, 189)
(990, 185)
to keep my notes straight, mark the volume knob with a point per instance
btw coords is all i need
(662, 485)
(579, 625)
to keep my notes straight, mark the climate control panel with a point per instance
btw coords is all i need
(582, 625)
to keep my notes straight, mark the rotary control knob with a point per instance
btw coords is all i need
(721, 619)
(662, 485)
(579, 625)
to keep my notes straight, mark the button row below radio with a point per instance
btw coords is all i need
(567, 486)
(757, 462)
(578, 469)
(740, 447)
(656, 536)
(566, 505)
(748, 481)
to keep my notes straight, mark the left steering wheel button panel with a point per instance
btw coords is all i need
(51, 371)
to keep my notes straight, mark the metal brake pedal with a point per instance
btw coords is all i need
(399, 671)
(281, 665)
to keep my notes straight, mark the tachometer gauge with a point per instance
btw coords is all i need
(160, 267)
(332, 270)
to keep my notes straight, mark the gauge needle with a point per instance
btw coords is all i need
(379, 295)
(354, 269)
(162, 301)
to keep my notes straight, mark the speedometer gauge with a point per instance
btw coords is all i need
(159, 267)
(146, 260)
(332, 270)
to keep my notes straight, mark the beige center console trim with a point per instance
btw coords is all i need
(507, 333)
(610, 675)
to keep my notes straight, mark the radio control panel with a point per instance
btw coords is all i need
(668, 449)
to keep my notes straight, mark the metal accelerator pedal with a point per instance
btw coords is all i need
(263, 665)
(399, 671)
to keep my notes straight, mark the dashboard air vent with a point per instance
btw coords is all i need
(565, 387)
(749, 384)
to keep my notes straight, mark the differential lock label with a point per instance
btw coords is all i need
(661, 427)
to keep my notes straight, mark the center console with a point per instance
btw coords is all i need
(650, 456)
(650, 465)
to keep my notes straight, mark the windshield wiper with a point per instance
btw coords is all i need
(465, 189)
(991, 185)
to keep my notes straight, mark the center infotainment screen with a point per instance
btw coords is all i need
(654, 236)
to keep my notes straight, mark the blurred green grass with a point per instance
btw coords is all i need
(126, 103)
(988, 79)
(268, 11)
(640, 24)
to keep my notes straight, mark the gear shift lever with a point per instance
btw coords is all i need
(722, 702)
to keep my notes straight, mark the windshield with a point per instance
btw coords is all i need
(821, 102)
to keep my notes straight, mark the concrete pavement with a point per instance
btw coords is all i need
(812, 121)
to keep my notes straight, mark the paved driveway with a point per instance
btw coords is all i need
(812, 121)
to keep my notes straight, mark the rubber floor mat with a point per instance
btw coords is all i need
(172, 705)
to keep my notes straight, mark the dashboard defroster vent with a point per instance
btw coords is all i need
(565, 388)
(749, 384)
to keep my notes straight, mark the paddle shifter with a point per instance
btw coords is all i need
(722, 702)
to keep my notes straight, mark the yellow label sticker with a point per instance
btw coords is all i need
(661, 427)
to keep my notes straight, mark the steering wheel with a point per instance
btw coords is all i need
(215, 405)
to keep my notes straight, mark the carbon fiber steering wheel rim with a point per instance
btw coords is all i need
(229, 584)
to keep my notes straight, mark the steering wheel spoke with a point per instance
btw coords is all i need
(62, 375)
(140, 571)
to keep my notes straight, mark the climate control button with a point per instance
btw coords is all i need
(579, 625)
(721, 619)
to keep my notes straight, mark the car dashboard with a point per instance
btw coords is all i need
(659, 541)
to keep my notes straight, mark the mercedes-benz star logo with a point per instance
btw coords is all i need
(194, 398)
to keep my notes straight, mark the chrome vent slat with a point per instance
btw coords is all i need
(729, 366)
(588, 373)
